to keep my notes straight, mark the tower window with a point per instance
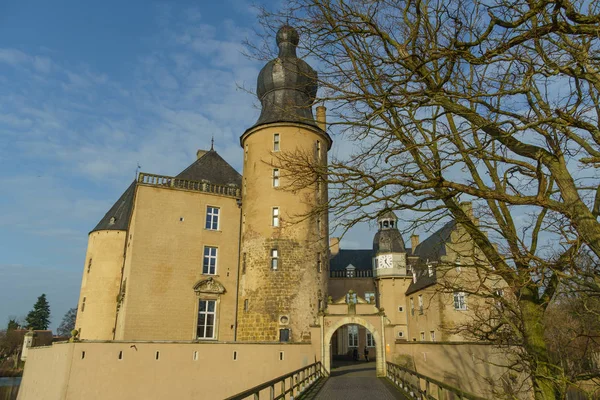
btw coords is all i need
(207, 314)
(246, 305)
(209, 266)
(319, 263)
(212, 218)
(246, 152)
(386, 224)
(460, 302)
(275, 177)
(274, 259)
(318, 150)
(275, 216)
(244, 263)
(89, 265)
(284, 335)
(83, 305)
(319, 224)
(245, 185)
(276, 142)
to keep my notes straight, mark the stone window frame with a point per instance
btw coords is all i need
(274, 257)
(208, 290)
(275, 217)
(420, 299)
(211, 216)
(412, 306)
(276, 177)
(204, 258)
(276, 142)
(460, 301)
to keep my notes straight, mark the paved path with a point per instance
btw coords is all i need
(356, 381)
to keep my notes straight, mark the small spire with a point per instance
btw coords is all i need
(212, 143)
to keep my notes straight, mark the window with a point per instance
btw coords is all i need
(276, 142)
(400, 334)
(245, 186)
(430, 270)
(414, 277)
(83, 305)
(370, 297)
(319, 263)
(89, 265)
(209, 266)
(284, 335)
(206, 319)
(352, 335)
(246, 305)
(457, 263)
(246, 153)
(420, 304)
(275, 216)
(212, 218)
(370, 340)
(320, 304)
(412, 306)
(460, 302)
(400, 309)
(422, 336)
(275, 177)
(432, 336)
(350, 271)
(318, 150)
(274, 259)
(319, 225)
(243, 263)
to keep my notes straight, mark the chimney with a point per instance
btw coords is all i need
(414, 242)
(467, 208)
(322, 117)
(334, 246)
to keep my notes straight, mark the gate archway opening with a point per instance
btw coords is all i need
(371, 323)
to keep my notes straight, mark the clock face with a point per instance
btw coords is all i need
(384, 261)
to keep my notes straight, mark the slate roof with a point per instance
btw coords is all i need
(388, 240)
(431, 249)
(434, 247)
(361, 259)
(121, 211)
(211, 167)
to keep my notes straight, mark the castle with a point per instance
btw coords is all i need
(210, 256)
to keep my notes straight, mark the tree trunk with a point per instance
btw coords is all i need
(544, 377)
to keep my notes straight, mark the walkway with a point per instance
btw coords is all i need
(356, 381)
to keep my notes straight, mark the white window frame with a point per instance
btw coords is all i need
(352, 335)
(460, 301)
(420, 304)
(212, 215)
(276, 142)
(274, 259)
(430, 270)
(369, 296)
(206, 313)
(432, 336)
(212, 256)
(275, 217)
(370, 340)
(275, 177)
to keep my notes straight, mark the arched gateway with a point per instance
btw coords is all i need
(340, 313)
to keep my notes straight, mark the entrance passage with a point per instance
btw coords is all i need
(357, 381)
(352, 342)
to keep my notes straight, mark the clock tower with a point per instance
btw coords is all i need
(391, 272)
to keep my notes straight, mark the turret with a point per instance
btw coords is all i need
(283, 270)
(388, 247)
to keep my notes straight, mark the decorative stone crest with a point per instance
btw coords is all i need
(210, 285)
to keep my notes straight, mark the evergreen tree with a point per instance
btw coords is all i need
(39, 317)
(12, 324)
(68, 323)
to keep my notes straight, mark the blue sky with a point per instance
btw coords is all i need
(87, 91)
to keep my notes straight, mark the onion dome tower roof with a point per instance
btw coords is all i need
(388, 238)
(287, 86)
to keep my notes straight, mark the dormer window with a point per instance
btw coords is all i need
(430, 270)
(350, 271)
(112, 221)
(386, 224)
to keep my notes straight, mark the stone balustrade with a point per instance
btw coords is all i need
(184, 184)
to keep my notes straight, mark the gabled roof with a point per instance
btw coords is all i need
(120, 211)
(434, 246)
(361, 259)
(211, 167)
(423, 279)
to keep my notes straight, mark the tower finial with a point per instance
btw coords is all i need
(212, 143)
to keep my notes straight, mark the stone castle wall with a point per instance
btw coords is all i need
(295, 290)
(100, 283)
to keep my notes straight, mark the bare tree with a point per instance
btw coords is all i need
(451, 100)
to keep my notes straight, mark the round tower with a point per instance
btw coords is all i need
(283, 268)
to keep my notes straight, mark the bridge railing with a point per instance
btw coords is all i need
(286, 386)
(419, 386)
